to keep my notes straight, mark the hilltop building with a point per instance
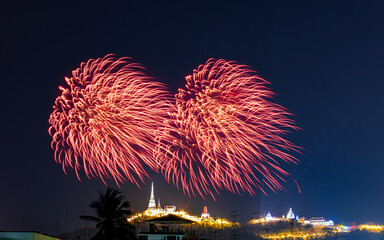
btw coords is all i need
(166, 224)
(270, 218)
(158, 209)
(319, 222)
(152, 202)
(290, 214)
(155, 212)
(170, 208)
(205, 213)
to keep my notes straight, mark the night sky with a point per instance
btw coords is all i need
(324, 59)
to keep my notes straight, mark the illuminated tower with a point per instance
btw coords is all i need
(205, 213)
(152, 202)
(290, 214)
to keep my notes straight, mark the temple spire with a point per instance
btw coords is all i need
(152, 202)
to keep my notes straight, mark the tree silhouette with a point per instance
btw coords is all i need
(111, 220)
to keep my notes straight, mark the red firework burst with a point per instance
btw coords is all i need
(225, 133)
(105, 119)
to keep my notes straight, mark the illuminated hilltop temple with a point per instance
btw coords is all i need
(159, 215)
(270, 218)
(153, 211)
(291, 215)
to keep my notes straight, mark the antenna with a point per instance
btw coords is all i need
(235, 225)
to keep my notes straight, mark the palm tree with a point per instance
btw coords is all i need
(112, 212)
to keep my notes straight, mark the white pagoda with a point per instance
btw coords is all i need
(290, 214)
(152, 202)
(205, 213)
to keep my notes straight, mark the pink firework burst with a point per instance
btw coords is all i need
(105, 119)
(226, 134)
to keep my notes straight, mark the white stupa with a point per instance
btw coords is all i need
(152, 202)
(290, 214)
(268, 217)
(205, 213)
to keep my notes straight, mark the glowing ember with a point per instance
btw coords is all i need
(225, 133)
(105, 119)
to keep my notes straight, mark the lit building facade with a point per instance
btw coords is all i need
(290, 214)
(170, 208)
(319, 222)
(270, 218)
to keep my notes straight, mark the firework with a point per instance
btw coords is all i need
(105, 119)
(226, 134)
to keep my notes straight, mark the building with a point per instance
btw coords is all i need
(290, 214)
(25, 236)
(319, 222)
(205, 213)
(170, 208)
(171, 232)
(152, 208)
(169, 228)
(270, 218)
(152, 202)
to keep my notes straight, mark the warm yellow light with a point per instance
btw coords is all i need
(263, 220)
(219, 222)
(372, 228)
(291, 235)
(257, 221)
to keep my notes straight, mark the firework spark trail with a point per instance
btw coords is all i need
(226, 134)
(105, 119)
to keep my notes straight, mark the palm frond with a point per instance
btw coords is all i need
(112, 210)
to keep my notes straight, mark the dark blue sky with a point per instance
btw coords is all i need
(324, 59)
